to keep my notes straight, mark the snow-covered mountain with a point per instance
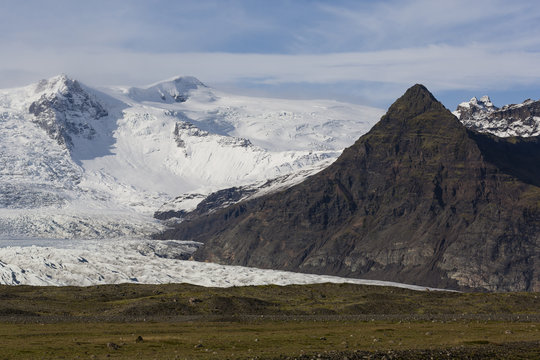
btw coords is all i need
(510, 120)
(78, 162)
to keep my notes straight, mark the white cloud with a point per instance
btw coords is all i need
(442, 67)
(386, 44)
(400, 24)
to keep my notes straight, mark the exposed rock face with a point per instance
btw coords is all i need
(476, 108)
(184, 130)
(510, 120)
(179, 208)
(65, 109)
(215, 200)
(419, 199)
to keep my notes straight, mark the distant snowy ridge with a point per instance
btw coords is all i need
(510, 120)
(78, 162)
(175, 90)
(86, 263)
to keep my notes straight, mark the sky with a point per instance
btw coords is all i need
(365, 52)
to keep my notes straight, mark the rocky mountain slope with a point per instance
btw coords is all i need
(419, 199)
(477, 114)
(510, 120)
(78, 162)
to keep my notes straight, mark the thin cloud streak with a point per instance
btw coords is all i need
(401, 24)
(256, 44)
(258, 26)
(441, 67)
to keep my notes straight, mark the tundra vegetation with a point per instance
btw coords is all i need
(328, 321)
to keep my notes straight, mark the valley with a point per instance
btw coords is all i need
(175, 221)
(270, 180)
(90, 173)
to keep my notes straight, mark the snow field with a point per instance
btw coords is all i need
(150, 146)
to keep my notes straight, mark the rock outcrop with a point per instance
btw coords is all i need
(510, 120)
(65, 109)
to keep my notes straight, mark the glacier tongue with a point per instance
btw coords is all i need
(85, 263)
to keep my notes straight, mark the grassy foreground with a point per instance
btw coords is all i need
(329, 321)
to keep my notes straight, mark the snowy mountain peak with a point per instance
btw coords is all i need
(64, 109)
(475, 108)
(510, 120)
(187, 80)
(175, 90)
(57, 84)
(60, 85)
(483, 104)
(486, 101)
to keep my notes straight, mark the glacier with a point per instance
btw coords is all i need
(80, 163)
(83, 170)
(60, 262)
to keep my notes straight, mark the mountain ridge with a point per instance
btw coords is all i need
(82, 162)
(414, 199)
(508, 121)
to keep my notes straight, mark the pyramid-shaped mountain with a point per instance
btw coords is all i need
(419, 199)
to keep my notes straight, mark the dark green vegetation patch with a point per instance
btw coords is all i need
(130, 302)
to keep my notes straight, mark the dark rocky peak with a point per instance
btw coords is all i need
(413, 120)
(64, 108)
(419, 199)
(416, 100)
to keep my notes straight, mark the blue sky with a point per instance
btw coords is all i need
(365, 52)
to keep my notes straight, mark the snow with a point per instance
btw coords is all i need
(174, 90)
(89, 167)
(189, 201)
(94, 262)
(486, 101)
(96, 163)
(482, 116)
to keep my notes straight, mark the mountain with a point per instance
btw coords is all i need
(81, 162)
(510, 120)
(477, 114)
(176, 90)
(64, 109)
(418, 199)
